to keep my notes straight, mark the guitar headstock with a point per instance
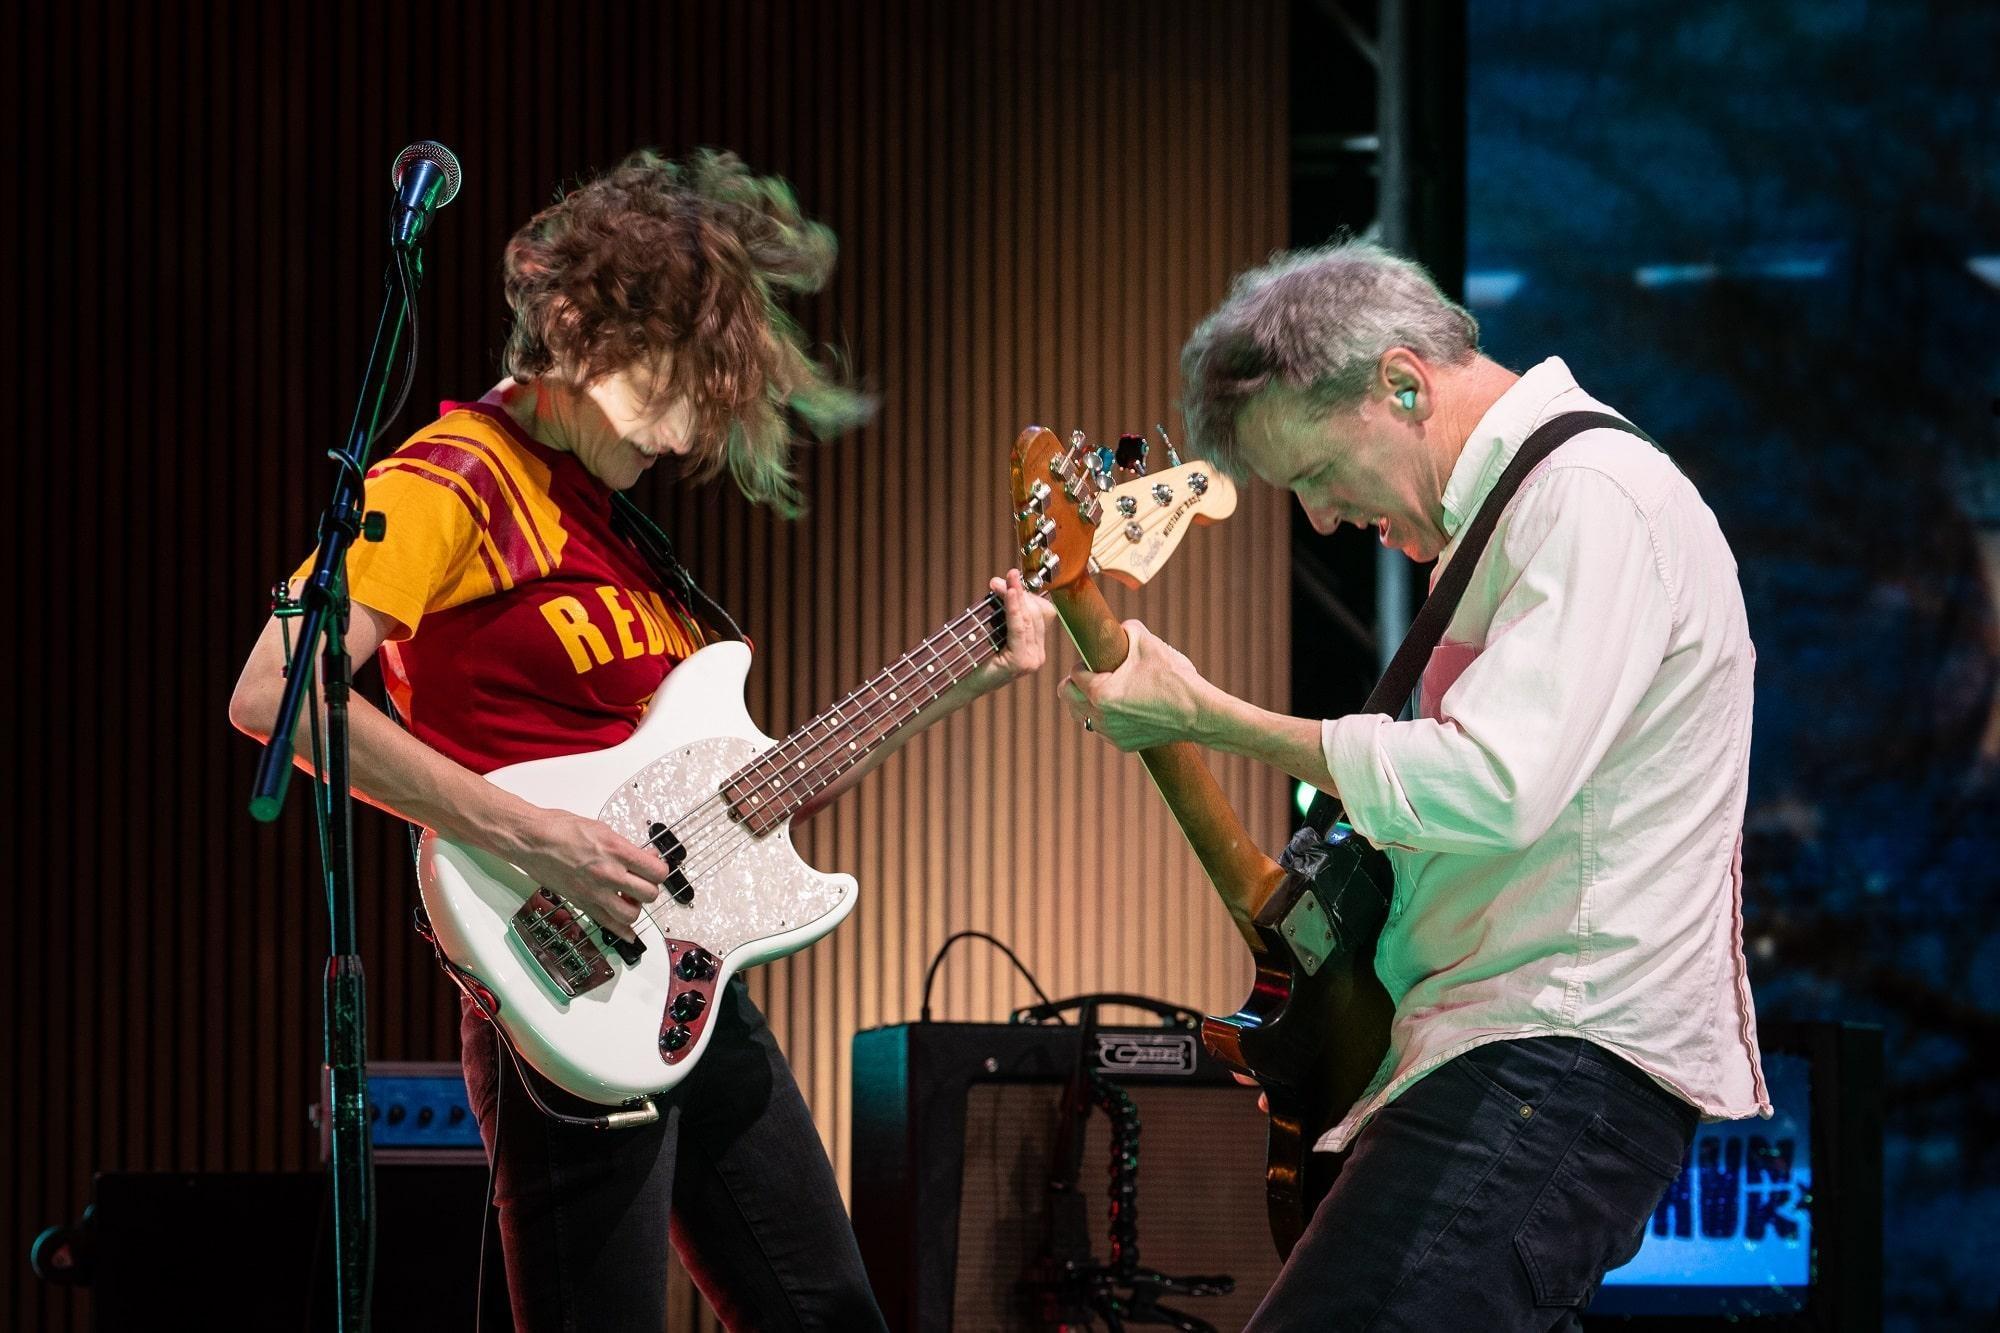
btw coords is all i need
(1081, 511)
(1145, 518)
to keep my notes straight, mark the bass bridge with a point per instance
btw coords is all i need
(558, 938)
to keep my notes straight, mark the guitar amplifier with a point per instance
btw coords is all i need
(953, 1141)
(418, 1114)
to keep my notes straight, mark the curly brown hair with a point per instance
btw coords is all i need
(689, 259)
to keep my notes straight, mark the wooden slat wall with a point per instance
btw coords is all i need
(1036, 201)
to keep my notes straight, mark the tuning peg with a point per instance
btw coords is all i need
(1037, 502)
(1131, 455)
(1173, 457)
(1038, 540)
(1078, 451)
(1045, 575)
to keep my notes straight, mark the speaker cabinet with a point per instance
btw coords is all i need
(953, 1144)
(255, 1250)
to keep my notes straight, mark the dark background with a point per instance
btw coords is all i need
(1768, 233)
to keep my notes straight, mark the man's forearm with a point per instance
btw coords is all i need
(1236, 726)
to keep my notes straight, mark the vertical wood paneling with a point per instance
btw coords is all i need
(1035, 201)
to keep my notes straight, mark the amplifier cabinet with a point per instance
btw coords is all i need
(254, 1250)
(953, 1141)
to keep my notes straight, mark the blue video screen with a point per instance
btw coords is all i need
(1733, 1236)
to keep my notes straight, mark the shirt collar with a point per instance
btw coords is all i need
(1498, 437)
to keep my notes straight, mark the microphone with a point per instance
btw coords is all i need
(426, 178)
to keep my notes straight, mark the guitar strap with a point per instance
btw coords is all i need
(1407, 666)
(639, 528)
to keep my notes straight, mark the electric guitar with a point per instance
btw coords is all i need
(616, 1022)
(1316, 1023)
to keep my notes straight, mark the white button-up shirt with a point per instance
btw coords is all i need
(1565, 815)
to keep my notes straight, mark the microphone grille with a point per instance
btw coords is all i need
(429, 150)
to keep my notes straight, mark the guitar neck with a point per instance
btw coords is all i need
(1243, 876)
(788, 780)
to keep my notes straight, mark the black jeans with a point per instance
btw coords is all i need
(734, 1161)
(1492, 1195)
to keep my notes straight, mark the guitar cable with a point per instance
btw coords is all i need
(937, 960)
(492, 1176)
(643, 1115)
(645, 1112)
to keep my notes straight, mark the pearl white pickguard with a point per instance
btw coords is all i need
(753, 898)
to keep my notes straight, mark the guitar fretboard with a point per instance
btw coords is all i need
(784, 779)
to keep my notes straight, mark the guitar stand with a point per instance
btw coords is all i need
(1093, 1290)
(1066, 1286)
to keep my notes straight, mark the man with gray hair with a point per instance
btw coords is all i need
(1564, 814)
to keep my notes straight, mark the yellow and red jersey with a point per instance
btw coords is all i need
(526, 625)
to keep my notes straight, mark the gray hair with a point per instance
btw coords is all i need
(1317, 321)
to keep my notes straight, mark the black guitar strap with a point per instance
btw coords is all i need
(1407, 666)
(651, 539)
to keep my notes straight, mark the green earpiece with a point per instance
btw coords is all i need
(1408, 398)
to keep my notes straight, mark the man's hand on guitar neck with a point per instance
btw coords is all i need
(1156, 697)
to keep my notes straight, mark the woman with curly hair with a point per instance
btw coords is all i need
(521, 611)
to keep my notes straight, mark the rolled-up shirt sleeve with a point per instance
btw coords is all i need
(1575, 641)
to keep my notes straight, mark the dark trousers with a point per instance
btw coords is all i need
(733, 1174)
(1492, 1195)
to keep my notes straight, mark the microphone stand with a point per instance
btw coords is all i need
(323, 610)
